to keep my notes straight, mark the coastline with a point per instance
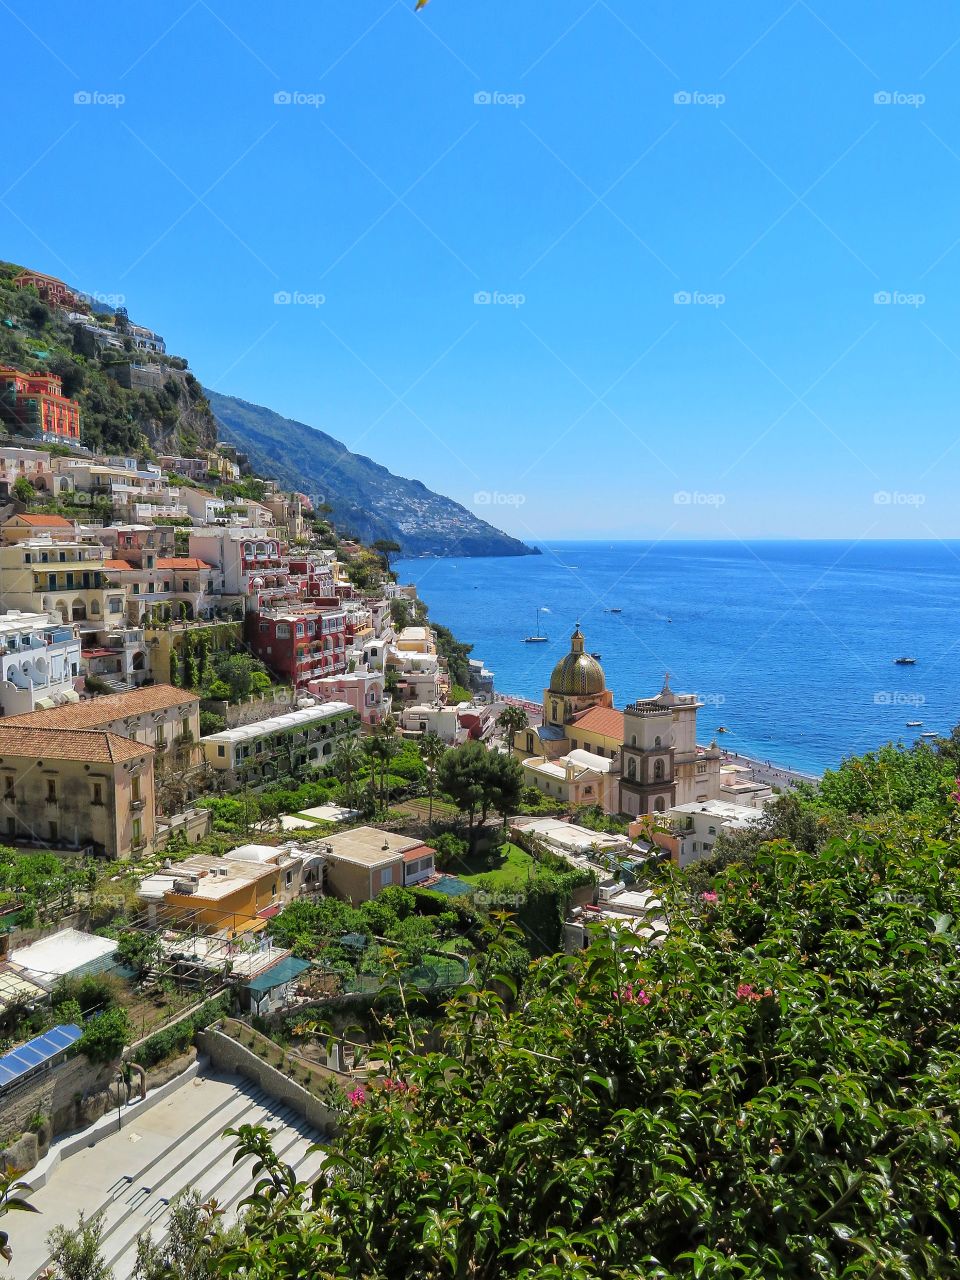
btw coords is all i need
(768, 771)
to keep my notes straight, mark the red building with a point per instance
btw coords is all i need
(299, 645)
(35, 402)
(50, 289)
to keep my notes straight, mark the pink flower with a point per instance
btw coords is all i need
(357, 1097)
(746, 991)
(631, 996)
(709, 896)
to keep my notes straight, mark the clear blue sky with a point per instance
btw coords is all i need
(599, 398)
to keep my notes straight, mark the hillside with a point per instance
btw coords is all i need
(365, 498)
(93, 356)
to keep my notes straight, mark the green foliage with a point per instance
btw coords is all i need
(401, 614)
(77, 1254)
(891, 779)
(478, 780)
(770, 1093)
(176, 1039)
(455, 653)
(90, 993)
(105, 1035)
(23, 490)
(211, 722)
(140, 952)
(458, 694)
(192, 1236)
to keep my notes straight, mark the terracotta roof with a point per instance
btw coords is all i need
(68, 744)
(117, 564)
(181, 562)
(418, 851)
(604, 720)
(44, 521)
(93, 712)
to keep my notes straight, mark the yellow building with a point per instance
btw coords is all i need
(74, 788)
(578, 711)
(230, 895)
(157, 716)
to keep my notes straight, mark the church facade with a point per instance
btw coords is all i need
(652, 743)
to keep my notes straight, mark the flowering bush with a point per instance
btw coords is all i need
(773, 1092)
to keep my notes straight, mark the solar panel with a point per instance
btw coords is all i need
(27, 1057)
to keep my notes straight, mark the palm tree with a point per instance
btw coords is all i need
(512, 720)
(347, 762)
(432, 751)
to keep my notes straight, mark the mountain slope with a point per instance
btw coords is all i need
(366, 498)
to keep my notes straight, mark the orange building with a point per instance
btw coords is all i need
(35, 401)
(50, 289)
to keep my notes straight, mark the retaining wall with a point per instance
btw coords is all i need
(226, 1054)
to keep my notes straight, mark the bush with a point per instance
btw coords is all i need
(105, 1036)
(176, 1039)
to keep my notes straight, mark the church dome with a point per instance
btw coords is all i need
(577, 674)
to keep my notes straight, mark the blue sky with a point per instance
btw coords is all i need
(778, 193)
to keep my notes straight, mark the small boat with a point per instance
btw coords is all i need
(722, 728)
(904, 662)
(596, 655)
(928, 733)
(614, 611)
(914, 724)
(538, 638)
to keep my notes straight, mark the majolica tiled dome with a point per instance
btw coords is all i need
(577, 673)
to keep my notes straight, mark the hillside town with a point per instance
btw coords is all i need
(258, 808)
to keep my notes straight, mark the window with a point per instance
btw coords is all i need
(288, 879)
(657, 742)
(386, 877)
(98, 793)
(135, 786)
(54, 833)
(631, 768)
(11, 826)
(51, 788)
(633, 739)
(658, 804)
(8, 792)
(221, 750)
(137, 830)
(116, 604)
(658, 770)
(701, 767)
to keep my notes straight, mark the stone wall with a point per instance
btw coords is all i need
(67, 1097)
(228, 1055)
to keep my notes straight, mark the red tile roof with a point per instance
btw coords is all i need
(94, 712)
(68, 744)
(607, 721)
(182, 562)
(117, 564)
(418, 851)
(44, 521)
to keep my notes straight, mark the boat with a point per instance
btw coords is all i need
(596, 655)
(905, 662)
(928, 733)
(538, 638)
(722, 728)
(914, 724)
(614, 610)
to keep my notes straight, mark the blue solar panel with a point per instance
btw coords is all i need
(22, 1060)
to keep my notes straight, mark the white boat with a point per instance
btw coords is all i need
(538, 638)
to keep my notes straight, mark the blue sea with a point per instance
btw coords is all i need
(791, 644)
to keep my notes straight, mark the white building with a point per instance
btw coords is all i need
(697, 826)
(297, 740)
(39, 662)
(580, 778)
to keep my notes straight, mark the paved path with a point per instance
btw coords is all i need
(133, 1175)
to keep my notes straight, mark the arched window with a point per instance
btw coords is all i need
(656, 741)
(658, 770)
(633, 739)
(658, 804)
(553, 715)
(631, 768)
(712, 831)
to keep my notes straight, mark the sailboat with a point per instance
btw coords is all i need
(538, 637)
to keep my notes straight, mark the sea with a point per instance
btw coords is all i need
(791, 645)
